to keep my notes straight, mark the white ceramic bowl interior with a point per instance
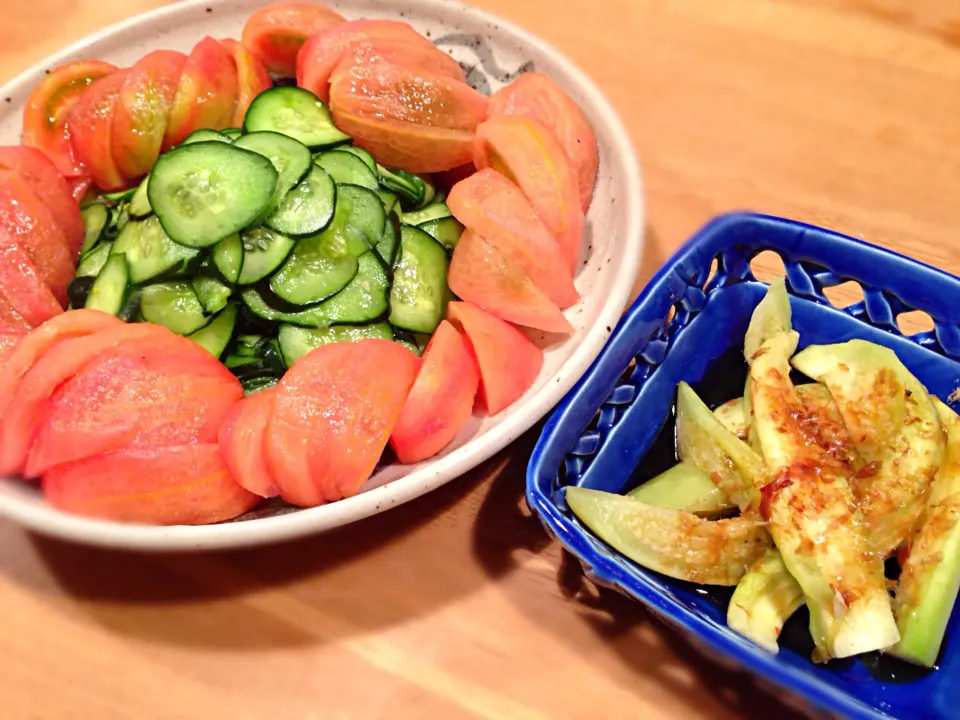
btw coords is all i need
(494, 51)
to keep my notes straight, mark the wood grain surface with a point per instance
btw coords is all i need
(844, 113)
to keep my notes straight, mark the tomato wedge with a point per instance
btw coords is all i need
(183, 485)
(140, 118)
(79, 187)
(25, 413)
(333, 413)
(91, 130)
(154, 392)
(441, 400)
(206, 95)
(480, 274)
(48, 107)
(324, 51)
(21, 285)
(12, 322)
(498, 210)
(275, 33)
(509, 362)
(50, 186)
(8, 342)
(26, 219)
(242, 443)
(252, 78)
(527, 152)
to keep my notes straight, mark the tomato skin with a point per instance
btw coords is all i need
(80, 187)
(480, 274)
(48, 107)
(144, 102)
(180, 485)
(323, 52)
(497, 209)
(21, 285)
(252, 78)
(241, 439)
(50, 186)
(441, 400)
(509, 362)
(91, 131)
(25, 413)
(333, 414)
(538, 96)
(26, 220)
(527, 152)
(155, 392)
(206, 95)
(275, 33)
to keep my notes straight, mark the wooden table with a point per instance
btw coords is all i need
(845, 114)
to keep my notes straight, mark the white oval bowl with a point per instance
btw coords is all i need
(609, 262)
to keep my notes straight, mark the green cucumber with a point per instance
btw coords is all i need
(206, 191)
(367, 217)
(387, 247)
(347, 168)
(295, 341)
(232, 133)
(227, 257)
(360, 153)
(92, 263)
(150, 252)
(216, 335)
(95, 219)
(291, 159)
(419, 297)
(295, 112)
(174, 305)
(390, 200)
(212, 294)
(140, 203)
(410, 188)
(264, 250)
(205, 135)
(308, 208)
(433, 211)
(109, 291)
(446, 231)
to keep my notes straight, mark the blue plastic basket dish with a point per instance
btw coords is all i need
(689, 324)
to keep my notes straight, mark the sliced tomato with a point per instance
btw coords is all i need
(26, 411)
(527, 152)
(91, 130)
(509, 362)
(48, 107)
(498, 210)
(538, 96)
(252, 78)
(275, 33)
(182, 485)
(21, 285)
(26, 219)
(140, 394)
(435, 133)
(50, 186)
(334, 411)
(75, 323)
(140, 118)
(324, 51)
(441, 400)
(8, 343)
(417, 55)
(206, 95)
(12, 322)
(480, 274)
(80, 187)
(242, 443)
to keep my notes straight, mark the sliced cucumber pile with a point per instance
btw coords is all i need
(263, 243)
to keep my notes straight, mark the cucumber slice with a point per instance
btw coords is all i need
(264, 250)
(212, 294)
(174, 305)
(363, 300)
(292, 159)
(95, 219)
(433, 211)
(205, 135)
(308, 208)
(429, 191)
(232, 133)
(446, 231)
(140, 204)
(295, 112)
(295, 342)
(206, 191)
(347, 168)
(409, 187)
(408, 341)
(684, 487)
(215, 337)
(150, 253)
(367, 217)
(92, 263)
(362, 154)
(120, 196)
(418, 300)
(227, 257)
(387, 247)
(321, 265)
(389, 200)
(109, 291)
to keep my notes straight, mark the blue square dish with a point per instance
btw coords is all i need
(689, 323)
